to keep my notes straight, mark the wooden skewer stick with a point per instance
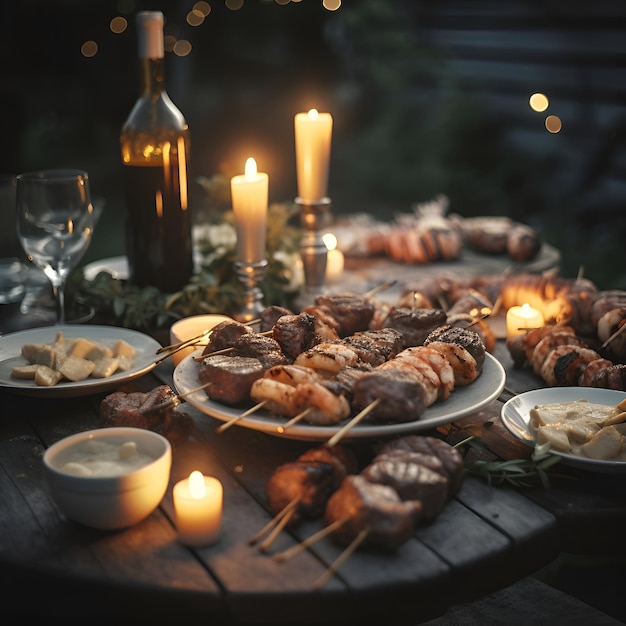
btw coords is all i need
(353, 422)
(222, 427)
(181, 344)
(281, 557)
(341, 559)
(284, 520)
(273, 521)
(375, 290)
(294, 420)
(618, 332)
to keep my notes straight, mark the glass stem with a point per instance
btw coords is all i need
(59, 297)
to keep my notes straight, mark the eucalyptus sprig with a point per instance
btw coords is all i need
(529, 472)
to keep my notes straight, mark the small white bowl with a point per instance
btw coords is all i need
(109, 501)
(190, 327)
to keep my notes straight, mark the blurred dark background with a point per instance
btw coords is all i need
(427, 96)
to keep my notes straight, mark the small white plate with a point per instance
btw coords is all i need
(462, 401)
(11, 349)
(515, 415)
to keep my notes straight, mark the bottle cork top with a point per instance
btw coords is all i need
(150, 34)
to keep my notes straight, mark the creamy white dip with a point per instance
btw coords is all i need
(103, 458)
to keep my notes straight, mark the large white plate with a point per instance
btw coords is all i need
(515, 415)
(11, 347)
(463, 401)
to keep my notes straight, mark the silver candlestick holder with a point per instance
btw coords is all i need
(250, 276)
(314, 219)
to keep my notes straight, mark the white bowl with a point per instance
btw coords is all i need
(190, 327)
(103, 500)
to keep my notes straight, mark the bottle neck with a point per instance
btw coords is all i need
(152, 76)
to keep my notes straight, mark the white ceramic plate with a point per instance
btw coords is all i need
(463, 401)
(516, 417)
(11, 347)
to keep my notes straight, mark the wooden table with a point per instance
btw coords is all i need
(485, 539)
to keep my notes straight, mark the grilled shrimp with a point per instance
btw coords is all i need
(280, 398)
(438, 363)
(548, 343)
(327, 358)
(322, 405)
(462, 362)
(292, 374)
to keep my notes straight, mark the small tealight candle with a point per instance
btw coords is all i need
(313, 131)
(335, 260)
(249, 193)
(198, 509)
(522, 318)
(192, 327)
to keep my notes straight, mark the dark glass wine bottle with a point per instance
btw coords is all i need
(155, 151)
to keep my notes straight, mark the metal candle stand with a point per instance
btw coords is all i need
(250, 275)
(314, 219)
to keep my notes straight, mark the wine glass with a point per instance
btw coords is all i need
(55, 223)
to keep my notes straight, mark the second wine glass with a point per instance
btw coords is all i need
(55, 223)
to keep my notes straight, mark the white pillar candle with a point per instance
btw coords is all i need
(249, 194)
(519, 319)
(198, 509)
(313, 133)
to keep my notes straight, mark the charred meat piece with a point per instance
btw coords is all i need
(412, 479)
(403, 397)
(156, 410)
(414, 324)
(362, 504)
(352, 313)
(339, 457)
(229, 378)
(270, 315)
(295, 334)
(450, 457)
(375, 346)
(311, 483)
(343, 381)
(225, 334)
(464, 337)
(265, 349)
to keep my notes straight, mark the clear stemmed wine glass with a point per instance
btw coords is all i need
(55, 223)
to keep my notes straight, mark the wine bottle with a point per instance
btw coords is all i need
(155, 151)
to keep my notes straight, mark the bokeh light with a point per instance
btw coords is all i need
(539, 102)
(553, 123)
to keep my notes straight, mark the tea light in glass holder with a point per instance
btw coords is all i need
(519, 319)
(198, 509)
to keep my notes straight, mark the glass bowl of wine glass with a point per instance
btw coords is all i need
(55, 221)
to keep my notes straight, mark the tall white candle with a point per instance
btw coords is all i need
(249, 194)
(313, 133)
(198, 509)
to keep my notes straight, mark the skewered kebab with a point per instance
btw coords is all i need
(301, 488)
(562, 358)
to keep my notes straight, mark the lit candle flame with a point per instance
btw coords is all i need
(250, 171)
(197, 488)
(330, 240)
(313, 114)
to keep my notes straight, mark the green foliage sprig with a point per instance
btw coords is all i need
(214, 289)
(530, 472)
